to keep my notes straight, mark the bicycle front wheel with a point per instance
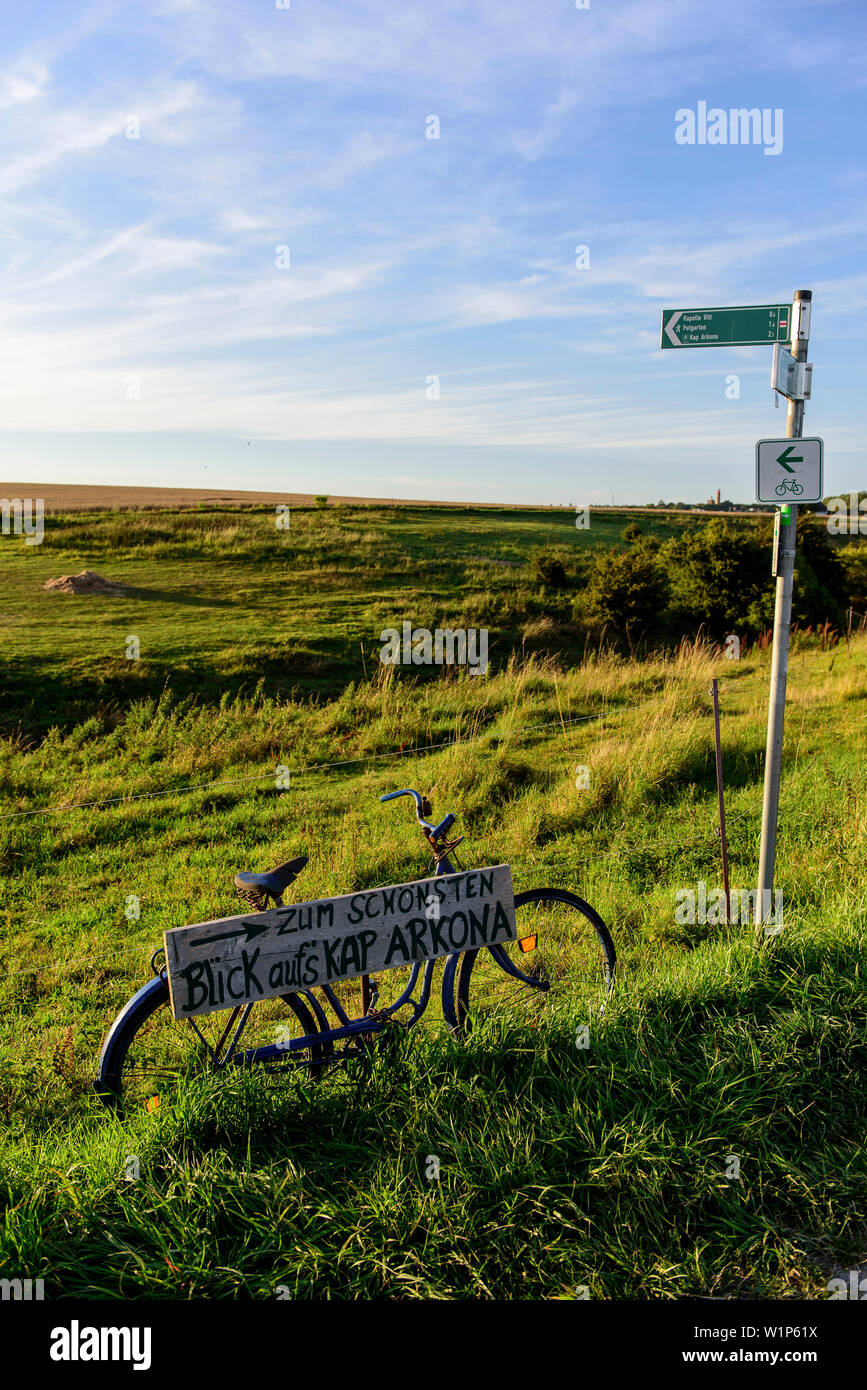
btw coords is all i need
(148, 1051)
(563, 959)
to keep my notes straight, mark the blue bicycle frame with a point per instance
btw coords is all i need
(368, 1023)
(375, 1023)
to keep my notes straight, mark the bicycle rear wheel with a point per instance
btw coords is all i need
(564, 958)
(148, 1051)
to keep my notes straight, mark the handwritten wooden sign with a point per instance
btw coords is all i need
(238, 960)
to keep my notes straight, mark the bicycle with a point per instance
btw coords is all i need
(562, 946)
(788, 485)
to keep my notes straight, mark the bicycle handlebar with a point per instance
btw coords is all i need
(407, 791)
(434, 831)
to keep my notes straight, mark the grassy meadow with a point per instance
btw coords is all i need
(560, 1167)
(221, 599)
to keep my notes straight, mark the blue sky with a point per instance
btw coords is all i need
(148, 333)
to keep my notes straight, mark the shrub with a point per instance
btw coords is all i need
(626, 590)
(821, 581)
(854, 560)
(547, 567)
(720, 576)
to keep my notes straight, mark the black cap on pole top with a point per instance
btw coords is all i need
(803, 294)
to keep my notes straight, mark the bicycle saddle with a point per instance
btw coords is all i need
(275, 882)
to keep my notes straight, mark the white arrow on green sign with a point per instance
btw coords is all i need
(737, 326)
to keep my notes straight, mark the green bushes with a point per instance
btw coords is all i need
(716, 579)
(555, 567)
(720, 578)
(854, 564)
(549, 570)
(627, 590)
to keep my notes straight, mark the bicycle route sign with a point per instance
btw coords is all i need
(737, 325)
(240, 960)
(789, 470)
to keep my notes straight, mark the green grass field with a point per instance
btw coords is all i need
(222, 599)
(560, 1166)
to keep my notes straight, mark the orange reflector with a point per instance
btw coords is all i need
(153, 1103)
(528, 943)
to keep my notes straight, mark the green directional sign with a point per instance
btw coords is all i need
(738, 326)
(789, 470)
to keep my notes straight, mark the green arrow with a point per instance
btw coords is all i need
(786, 457)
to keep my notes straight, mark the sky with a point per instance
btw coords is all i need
(336, 247)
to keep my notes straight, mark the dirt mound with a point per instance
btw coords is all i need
(88, 582)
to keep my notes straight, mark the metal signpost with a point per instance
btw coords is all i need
(786, 474)
(783, 619)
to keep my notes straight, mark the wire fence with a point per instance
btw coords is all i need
(546, 860)
(543, 860)
(419, 750)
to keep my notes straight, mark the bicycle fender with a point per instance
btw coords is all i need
(448, 994)
(127, 1015)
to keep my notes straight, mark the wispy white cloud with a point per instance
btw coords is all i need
(154, 258)
(22, 82)
(81, 132)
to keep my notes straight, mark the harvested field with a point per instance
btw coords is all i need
(73, 497)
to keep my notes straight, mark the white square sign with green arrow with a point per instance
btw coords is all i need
(789, 470)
